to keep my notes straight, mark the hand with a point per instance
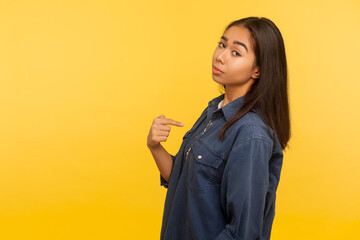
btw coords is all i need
(159, 130)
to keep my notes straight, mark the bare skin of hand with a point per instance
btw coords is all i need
(160, 131)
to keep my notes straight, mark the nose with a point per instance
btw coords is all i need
(220, 57)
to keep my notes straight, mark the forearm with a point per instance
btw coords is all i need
(163, 160)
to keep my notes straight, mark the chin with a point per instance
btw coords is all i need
(217, 79)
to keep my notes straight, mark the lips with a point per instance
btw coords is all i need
(216, 69)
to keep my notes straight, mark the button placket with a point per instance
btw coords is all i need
(187, 153)
(210, 123)
(207, 125)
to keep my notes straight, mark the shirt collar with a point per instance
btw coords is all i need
(228, 110)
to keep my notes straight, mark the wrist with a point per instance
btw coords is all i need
(153, 147)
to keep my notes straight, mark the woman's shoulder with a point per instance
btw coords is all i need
(251, 126)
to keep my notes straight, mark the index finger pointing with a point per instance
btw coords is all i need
(173, 122)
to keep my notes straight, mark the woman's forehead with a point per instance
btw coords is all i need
(238, 33)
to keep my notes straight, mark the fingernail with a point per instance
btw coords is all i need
(181, 124)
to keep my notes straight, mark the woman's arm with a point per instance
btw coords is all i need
(163, 160)
(248, 192)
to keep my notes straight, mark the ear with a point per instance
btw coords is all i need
(256, 73)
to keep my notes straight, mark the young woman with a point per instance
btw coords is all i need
(222, 183)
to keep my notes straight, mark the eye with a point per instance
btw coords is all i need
(220, 44)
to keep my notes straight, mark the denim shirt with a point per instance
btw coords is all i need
(223, 189)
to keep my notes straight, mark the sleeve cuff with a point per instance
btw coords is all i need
(163, 182)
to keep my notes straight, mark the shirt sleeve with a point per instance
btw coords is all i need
(248, 201)
(163, 182)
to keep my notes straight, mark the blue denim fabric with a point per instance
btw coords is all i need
(223, 190)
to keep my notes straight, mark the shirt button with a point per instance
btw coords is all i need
(199, 157)
(196, 137)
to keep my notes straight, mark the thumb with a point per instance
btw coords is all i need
(161, 116)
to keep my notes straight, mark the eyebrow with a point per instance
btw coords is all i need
(236, 42)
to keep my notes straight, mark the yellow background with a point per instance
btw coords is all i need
(81, 81)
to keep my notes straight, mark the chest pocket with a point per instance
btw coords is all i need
(204, 171)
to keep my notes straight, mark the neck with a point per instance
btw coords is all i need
(234, 92)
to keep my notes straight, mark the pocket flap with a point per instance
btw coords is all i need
(205, 156)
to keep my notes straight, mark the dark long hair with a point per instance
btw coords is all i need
(268, 96)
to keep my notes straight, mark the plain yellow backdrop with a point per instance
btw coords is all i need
(81, 81)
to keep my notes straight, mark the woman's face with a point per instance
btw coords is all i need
(235, 57)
